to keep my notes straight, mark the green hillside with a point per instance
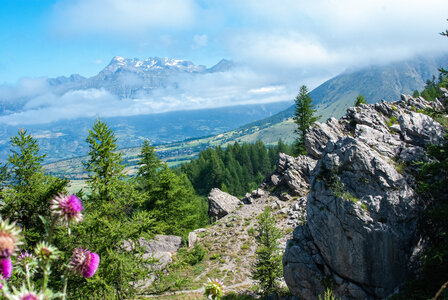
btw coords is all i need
(331, 98)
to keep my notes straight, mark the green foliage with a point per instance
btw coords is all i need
(415, 94)
(433, 186)
(328, 295)
(237, 169)
(114, 214)
(26, 190)
(169, 197)
(236, 296)
(432, 87)
(149, 164)
(193, 256)
(174, 205)
(267, 269)
(214, 289)
(304, 117)
(104, 166)
(392, 121)
(360, 100)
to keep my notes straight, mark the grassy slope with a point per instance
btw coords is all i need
(332, 98)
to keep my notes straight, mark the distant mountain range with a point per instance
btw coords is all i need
(332, 98)
(127, 78)
(388, 82)
(130, 77)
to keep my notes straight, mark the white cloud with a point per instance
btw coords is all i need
(335, 34)
(208, 90)
(118, 17)
(25, 88)
(285, 50)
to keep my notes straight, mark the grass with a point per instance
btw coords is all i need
(391, 121)
(349, 196)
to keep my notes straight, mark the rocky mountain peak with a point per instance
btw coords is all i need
(361, 232)
(151, 64)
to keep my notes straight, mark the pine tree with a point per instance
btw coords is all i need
(27, 190)
(104, 166)
(174, 205)
(268, 268)
(415, 94)
(149, 164)
(360, 100)
(113, 214)
(304, 117)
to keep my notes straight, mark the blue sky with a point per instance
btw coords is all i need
(278, 45)
(52, 38)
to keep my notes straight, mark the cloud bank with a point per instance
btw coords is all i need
(185, 92)
(318, 38)
(118, 17)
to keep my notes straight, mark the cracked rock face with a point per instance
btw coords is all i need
(362, 210)
(292, 173)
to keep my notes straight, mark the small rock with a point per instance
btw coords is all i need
(275, 180)
(193, 236)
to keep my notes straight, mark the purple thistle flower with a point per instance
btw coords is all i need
(84, 262)
(10, 238)
(92, 266)
(6, 267)
(25, 294)
(30, 296)
(67, 206)
(24, 256)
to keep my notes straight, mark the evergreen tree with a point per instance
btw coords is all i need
(239, 168)
(104, 166)
(360, 100)
(174, 205)
(268, 267)
(113, 214)
(415, 94)
(27, 190)
(304, 117)
(149, 164)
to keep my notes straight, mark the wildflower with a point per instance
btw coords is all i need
(25, 294)
(68, 207)
(214, 289)
(84, 262)
(6, 267)
(46, 252)
(10, 238)
(25, 258)
(26, 262)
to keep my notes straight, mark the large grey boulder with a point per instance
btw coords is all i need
(161, 248)
(361, 234)
(221, 203)
(158, 250)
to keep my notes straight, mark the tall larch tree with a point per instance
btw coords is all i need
(26, 190)
(104, 166)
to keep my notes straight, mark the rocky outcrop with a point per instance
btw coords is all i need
(292, 175)
(362, 211)
(220, 204)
